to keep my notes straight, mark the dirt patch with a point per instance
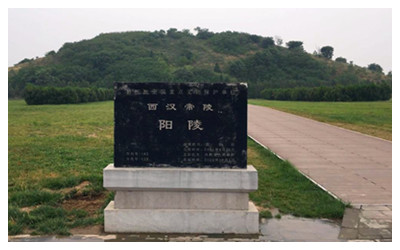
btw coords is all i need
(78, 188)
(92, 135)
(251, 153)
(90, 204)
(28, 209)
(95, 229)
(261, 208)
(35, 176)
(27, 231)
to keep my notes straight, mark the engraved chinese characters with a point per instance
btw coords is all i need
(180, 125)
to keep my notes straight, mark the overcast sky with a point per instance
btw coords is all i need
(363, 36)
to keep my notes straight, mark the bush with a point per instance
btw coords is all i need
(368, 92)
(266, 42)
(341, 59)
(35, 95)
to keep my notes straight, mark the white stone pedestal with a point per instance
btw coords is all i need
(181, 200)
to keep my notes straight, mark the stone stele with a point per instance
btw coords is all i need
(180, 160)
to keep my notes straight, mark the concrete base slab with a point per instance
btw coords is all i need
(181, 220)
(181, 200)
(181, 179)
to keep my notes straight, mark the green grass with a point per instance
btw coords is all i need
(372, 118)
(47, 220)
(61, 182)
(52, 149)
(265, 214)
(281, 186)
(61, 141)
(32, 197)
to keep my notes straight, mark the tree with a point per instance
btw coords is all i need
(217, 69)
(327, 52)
(187, 54)
(375, 67)
(266, 42)
(238, 69)
(341, 59)
(187, 32)
(295, 45)
(203, 33)
(255, 38)
(278, 40)
(25, 60)
(175, 34)
(50, 53)
(317, 52)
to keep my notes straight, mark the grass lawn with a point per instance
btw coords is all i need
(56, 154)
(372, 118)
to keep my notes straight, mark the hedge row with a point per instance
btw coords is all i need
(350, 93)
(35, 95)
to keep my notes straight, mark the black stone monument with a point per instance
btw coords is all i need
(201, 125)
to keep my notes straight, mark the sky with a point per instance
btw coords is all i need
(363, 36)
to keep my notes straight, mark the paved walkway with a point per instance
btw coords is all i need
(368, 222)
(354, 167)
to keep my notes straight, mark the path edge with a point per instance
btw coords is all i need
(305, 175)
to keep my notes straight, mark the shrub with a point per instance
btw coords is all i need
(341, 59)
(367, 92)
(266, 42)
(35, 95)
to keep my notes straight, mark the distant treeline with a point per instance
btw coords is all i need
(350, 93)
(180, 56)
(35, 95)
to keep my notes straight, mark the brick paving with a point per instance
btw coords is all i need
(353, 167)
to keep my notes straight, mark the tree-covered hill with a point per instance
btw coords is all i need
(180, 56)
